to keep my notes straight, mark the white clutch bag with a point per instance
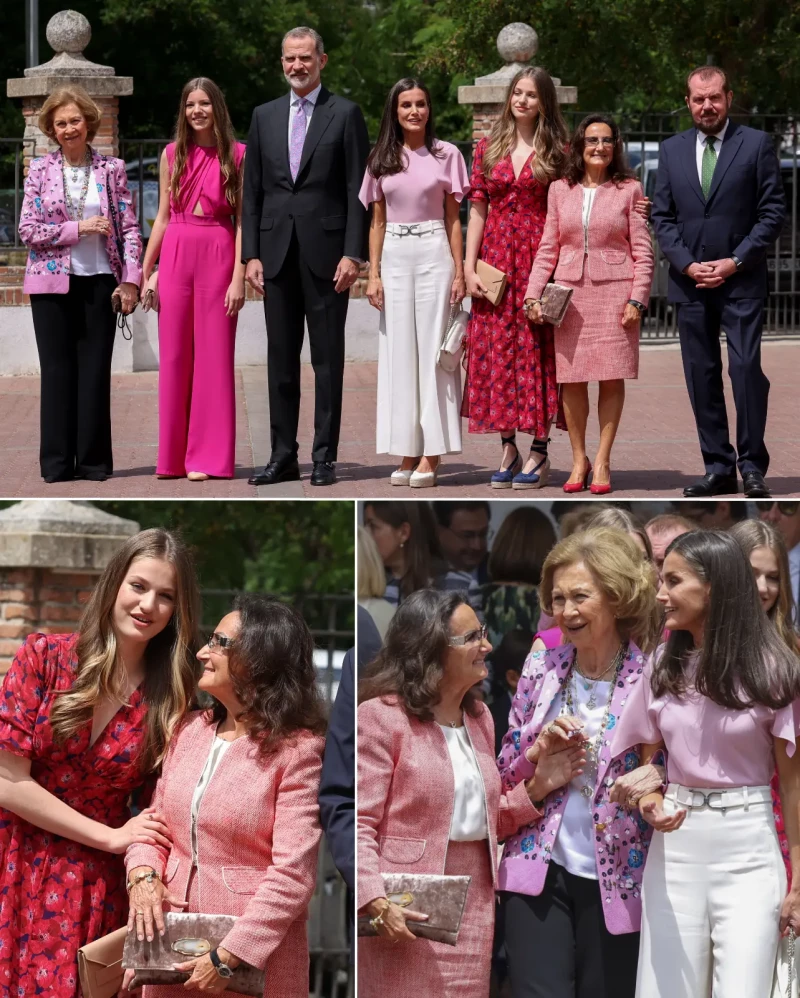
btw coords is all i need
(452, 348)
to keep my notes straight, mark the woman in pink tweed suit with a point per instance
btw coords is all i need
(429, 797)
(239, 791)
(571, 880)
(601, 248)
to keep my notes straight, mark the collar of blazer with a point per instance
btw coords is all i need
(731, 143)
(101, 174)
(320, 119)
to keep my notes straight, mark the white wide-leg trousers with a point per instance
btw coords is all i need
(419, 403)
(712, 894)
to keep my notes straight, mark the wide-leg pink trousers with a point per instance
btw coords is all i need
(196, 392)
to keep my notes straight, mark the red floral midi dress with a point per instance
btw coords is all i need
(55, 894)
(511, 376)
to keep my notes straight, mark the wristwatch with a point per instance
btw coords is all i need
(737, 261)
(637, 304)
(222, 968)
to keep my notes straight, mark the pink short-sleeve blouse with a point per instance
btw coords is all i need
(707, 745)
(417, 193)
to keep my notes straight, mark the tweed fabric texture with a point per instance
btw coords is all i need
(622, 837)
(257, 840)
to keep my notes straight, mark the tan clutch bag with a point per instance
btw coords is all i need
(100, 965)
(442, 899)
(492, 279)
(555, 299)
(187, 936)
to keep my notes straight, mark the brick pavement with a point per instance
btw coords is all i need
(656, 453)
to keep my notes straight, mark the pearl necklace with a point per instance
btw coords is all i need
(75, 212)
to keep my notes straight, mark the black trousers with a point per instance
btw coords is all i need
(558, 946)
(293, 297)
(699, 325)
(75, 340)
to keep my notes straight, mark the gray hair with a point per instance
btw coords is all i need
(304, 32)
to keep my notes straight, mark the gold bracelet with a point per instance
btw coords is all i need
(149, 877)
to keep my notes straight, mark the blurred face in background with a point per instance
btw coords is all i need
(767, 574)
(785, 516)
(465, 542)
(389, 540)
(661, 541)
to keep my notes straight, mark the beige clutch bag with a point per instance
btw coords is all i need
(492, 279)
(555, 299)
(100, 965)
(187, 937)
(442, 899)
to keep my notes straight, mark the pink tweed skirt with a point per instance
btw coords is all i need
(423, 968)
(591, 344)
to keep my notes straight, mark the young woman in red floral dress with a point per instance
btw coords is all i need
(84, 719)
(511, 370)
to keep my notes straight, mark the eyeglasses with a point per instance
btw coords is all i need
(219, 641)
(787, 508)
(469, 638)
(593, 140)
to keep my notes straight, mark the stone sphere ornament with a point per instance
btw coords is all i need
(68, 31)
(517, 42)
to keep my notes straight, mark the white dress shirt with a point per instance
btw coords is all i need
(308, 110)
(468, 823)
(588, 201)
(89, 255)
(700, 147)
(218, 749)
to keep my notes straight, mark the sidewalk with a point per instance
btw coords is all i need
(656, 453)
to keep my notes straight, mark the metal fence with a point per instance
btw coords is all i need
(331, 619)
(642, 135)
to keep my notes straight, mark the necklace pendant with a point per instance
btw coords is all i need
(586, 791)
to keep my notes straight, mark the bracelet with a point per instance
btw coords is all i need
(149, 877)
(378, 919)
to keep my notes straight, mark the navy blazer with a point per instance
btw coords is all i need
(337, 790)
(743, 216)
(321, 205)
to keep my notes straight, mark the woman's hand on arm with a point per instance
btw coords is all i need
(377, 234)
(555, 769)
(391, 919)
(630, 787)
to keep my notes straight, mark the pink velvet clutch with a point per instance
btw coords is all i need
(442, 899)
(555, 299)
(188, 936)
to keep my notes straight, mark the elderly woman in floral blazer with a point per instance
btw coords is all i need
(84, 246)
(571, 881)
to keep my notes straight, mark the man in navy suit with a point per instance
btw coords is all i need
(718, 208)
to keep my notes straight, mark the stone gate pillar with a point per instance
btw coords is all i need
(68, 34)
(51, 554)
(517, 44)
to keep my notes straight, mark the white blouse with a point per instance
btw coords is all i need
(468, 823)
(89, 255)
(218, 749)
(588, 201)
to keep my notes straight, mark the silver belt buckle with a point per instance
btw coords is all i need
(410, 229)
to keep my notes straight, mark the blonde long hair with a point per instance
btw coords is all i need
(171, 666)
(550, 136)
(223, 133)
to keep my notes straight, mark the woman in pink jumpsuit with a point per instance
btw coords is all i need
(201, 288)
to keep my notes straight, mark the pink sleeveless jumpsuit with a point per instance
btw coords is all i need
(196, 393)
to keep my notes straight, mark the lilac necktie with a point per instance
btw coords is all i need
(298, 137)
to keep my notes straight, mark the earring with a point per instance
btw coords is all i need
(402, 544)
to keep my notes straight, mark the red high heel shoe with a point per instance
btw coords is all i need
(600, 488)
(579, 486)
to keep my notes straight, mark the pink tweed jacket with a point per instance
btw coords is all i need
(622, 837)
(620, 247)
(47, 231)
(406, 793)
(257, 838)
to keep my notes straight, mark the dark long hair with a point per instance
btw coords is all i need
(618, 170)
(410, 665)
(743, 660)
(271, 665)
(424, 559)
(386, 157)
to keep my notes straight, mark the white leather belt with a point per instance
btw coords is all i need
(414, 228)
(718, 800)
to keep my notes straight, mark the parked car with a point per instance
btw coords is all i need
(147, 169)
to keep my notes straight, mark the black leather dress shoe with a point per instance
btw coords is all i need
(754, 486)
(712, 485)
(324, 473)
(277, 471)
(53, 479)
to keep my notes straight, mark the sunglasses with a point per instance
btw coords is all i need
(479, 634)
(219, 641)
(787, 508)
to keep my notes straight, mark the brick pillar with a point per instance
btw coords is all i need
(51, 554)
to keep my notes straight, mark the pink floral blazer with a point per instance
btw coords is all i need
(622, 837)
(46, 229)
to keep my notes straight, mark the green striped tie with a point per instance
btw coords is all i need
(709, 162)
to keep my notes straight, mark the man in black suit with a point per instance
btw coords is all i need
(719, 206)
(337, 789)
(303, 238)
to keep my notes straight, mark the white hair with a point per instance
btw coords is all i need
(304, 32)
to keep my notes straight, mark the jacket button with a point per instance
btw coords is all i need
(706, 215)
(291, 215)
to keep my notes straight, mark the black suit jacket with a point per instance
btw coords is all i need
(322, 204)
(742, 217)
(337, 790)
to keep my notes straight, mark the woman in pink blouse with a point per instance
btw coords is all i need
(415, 183)
(721, 699)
